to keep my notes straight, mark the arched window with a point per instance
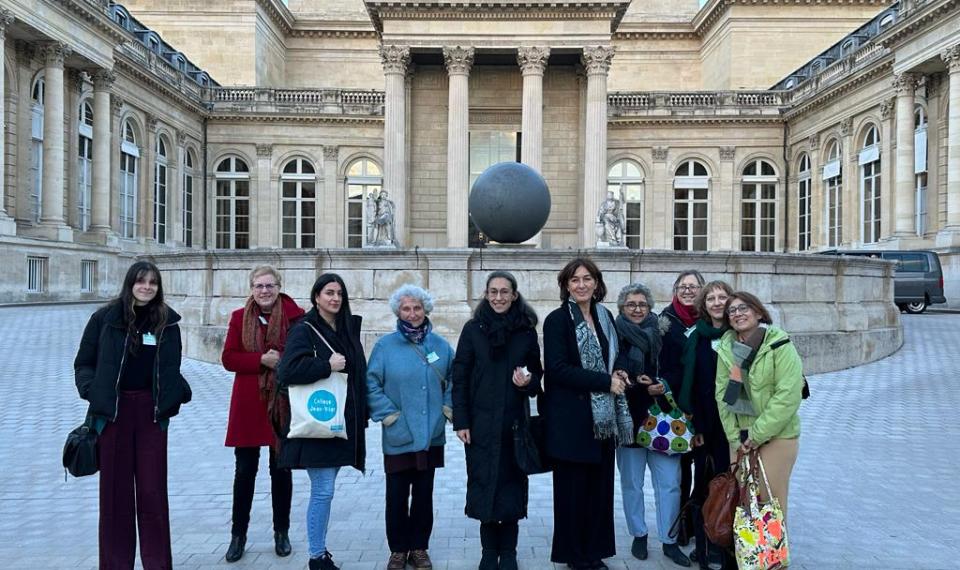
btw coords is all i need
(186, 219)
(233, 204)
(85, 164)
(920, 166)
(625, 180)
(803, 203)
(758, 207)
(364, 182)
(160, 192)
(129, 157)
(833, 182)
(36, 145)
(869, 160)
(690, 206)
(298, 191)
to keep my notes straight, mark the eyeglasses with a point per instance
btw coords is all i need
(738, 309)
(636, 307)
(494, 293)
(688, 288)
(265, 286)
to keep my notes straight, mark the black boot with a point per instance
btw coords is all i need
(673, 552)
(489, 534)
(281, 543)
(639, 547)
(235, 550)
(508, 545)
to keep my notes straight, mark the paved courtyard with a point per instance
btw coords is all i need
(875, 485)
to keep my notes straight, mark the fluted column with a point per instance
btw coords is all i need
(533, 62)
(333, 233)
(395, 61)
(102, 145)
(51, 207)
(7, 224)
(906, 224)
(951, 57)
(596, 60)
(459, 60)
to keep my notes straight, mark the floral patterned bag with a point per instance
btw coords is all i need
(759, 533)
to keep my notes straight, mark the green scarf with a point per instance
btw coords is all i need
(703, 329)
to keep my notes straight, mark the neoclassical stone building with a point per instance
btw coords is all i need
(168, 126)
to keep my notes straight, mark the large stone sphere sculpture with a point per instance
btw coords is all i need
(510, 202)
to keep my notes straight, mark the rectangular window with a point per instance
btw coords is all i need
(803, 222)
(88, 275)
(834, 211)
(298, 214)
(758, 217)
(36, 274)
(85, 181)
(128, 195)
(233, 214)
(871, 201)
(486, 149)
(690, 219)
(187, 220)
(36, 176)
(160, 204)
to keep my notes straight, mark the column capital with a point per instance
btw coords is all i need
(727, 153)
(951, 57)
(6, 18)
(264, 150)
(103, 79)
(458, 59)
(813, 142)
(54, 53)
(533, 59)
(331, 152)
(394, 58)
(660, 153)
(905, 83)
(597, 59)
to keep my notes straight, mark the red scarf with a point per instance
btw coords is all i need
(257, 338)
(687, 314)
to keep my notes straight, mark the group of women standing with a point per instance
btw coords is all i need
(600, 377)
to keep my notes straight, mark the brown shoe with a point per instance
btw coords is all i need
(420, 559)
(397, 561)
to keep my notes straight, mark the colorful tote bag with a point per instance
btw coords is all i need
(759, 533)
(316, 409)
(667, 429)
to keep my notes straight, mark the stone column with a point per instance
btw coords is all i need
(395, 61)
(818, 221)
(658, 203)
(887, 197)
(148, 177)
(850, 220)
(951, 232)
(596, 60)
(102, 147)
(905, 83)
(725, 199)
(330, 234)
(7, 225)
(459, 60)
(51, 206)
(265, 217)
(533, 62)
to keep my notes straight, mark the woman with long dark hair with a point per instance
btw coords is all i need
(496, 370)
(307, 359)
(128, 369)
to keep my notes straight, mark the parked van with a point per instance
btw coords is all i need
(918, 281)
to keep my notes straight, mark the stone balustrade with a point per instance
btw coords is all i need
(315, 101)
(655, 103)
(836, 72)
(838, 310)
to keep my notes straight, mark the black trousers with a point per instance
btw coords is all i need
(244, 483)
(409, 509)
(583, 510)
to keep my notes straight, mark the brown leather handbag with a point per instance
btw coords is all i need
(721, 504)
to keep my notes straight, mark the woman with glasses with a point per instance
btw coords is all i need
(495, 373)
(640, 341)
(255, 341)
(758, 404)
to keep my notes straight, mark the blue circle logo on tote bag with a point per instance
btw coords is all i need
(322, 405)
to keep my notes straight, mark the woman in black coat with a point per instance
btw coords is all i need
(586, 417)
(306, 360)
(496, 370)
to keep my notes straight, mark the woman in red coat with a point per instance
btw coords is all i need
(255, 341)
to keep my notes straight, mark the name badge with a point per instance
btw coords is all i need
(689, 331)
(149, 339)
(715, 344)
(432, 357)
(263, 321)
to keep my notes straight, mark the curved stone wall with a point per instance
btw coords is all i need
(838, 310)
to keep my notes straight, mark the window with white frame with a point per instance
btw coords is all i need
(36, 274)
(486, 149)
(691, 183)
(85, 165)
(364, 182)
(298, 208)
(186, 189)
(88, 275)
(160, 192)
(36, 146)
(804, 203)
(129, 159)
(758, 207)
(233, 204)
(920, 167)
(625, 179)
(869, 161)
(833, 184)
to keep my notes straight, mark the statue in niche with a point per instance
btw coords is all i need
(370, 205)
(382, 222)
(611, 222)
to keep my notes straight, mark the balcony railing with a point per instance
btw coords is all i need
(659, 103)
(836, 72)
(309, 101)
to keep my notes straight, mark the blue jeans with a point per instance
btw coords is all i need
(665, 472)
(322, 482)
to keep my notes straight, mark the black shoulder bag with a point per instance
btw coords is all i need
(80, 450)
(529, 445)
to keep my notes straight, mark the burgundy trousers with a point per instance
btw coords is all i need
(133, 488)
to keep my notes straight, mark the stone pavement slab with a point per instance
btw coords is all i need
(875, 485)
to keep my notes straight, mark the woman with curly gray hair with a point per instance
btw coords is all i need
(409, 392)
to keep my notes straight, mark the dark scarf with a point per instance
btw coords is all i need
(689, 358)
(256, 339)
(498, 327)
(687, 315)
(414, 334)
(643, 337)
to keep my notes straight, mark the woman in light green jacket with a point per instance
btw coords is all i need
(759, 386)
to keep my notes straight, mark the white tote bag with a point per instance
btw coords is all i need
(316, 409)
